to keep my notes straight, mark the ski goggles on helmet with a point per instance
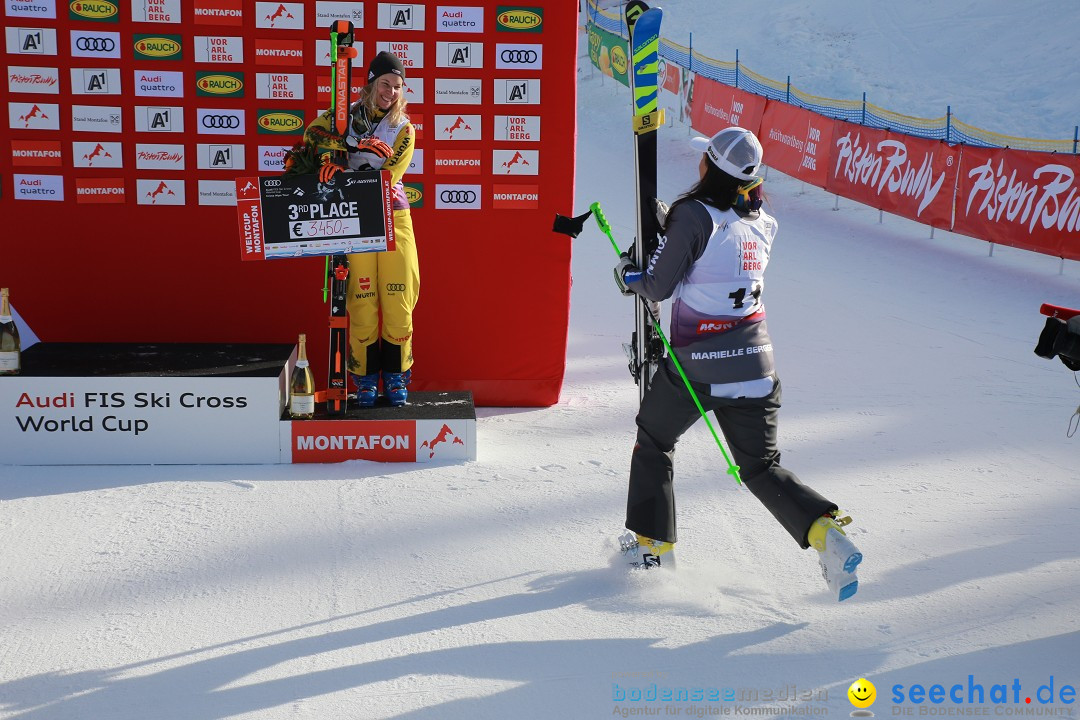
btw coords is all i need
(750, 195)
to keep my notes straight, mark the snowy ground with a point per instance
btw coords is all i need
(485, 590)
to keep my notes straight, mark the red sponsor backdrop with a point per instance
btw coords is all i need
(136, 240)
(1023, 199)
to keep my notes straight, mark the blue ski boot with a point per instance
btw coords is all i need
(367, 389)
(396, 386)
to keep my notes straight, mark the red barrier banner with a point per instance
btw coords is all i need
(1029, 200)
(715, 106)
(796, 142)
(908, 176)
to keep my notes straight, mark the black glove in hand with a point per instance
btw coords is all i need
(625, 267)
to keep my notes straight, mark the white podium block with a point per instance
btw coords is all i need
(193, 404)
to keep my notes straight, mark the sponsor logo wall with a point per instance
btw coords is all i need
(147, 108)
(57, 52)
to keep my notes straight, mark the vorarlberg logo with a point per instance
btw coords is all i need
(975, 696)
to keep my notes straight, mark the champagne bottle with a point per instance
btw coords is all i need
(10, 348)
(302, 386)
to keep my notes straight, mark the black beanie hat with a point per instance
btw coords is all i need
(384, 63)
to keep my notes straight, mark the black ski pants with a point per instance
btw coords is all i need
(749, 426)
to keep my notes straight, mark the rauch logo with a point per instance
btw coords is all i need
(158, 48)
(520, 19)
(105, 11)
(415, 195)
(220, 84)
(280, 122)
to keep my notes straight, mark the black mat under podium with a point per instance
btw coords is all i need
(421, 406)
(59, 359)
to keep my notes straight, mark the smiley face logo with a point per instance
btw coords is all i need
(862, 693)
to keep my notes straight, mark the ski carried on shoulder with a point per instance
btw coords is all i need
(1057, 311)
(337, 268)
(645, 350)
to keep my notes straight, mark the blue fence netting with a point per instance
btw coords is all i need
(861, 112)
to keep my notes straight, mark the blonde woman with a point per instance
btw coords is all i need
(384, 286)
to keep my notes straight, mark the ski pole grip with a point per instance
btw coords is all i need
(601, 220)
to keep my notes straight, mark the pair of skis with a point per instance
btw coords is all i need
(645, 350)
(342, 53)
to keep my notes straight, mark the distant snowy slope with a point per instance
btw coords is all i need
(1003, 66)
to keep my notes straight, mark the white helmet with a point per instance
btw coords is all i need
(734, 150)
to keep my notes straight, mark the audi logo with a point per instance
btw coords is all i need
(98, 44)
(272, 183)
(518, 56)
(220, 121)
(395, 287)
(457, 196)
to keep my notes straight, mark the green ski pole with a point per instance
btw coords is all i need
(733, 469)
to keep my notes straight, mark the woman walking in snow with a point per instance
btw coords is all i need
(711, 260)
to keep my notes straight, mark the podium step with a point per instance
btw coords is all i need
(204, 403)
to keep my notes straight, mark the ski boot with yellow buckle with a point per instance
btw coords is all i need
(838, 556)
(643, 552)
